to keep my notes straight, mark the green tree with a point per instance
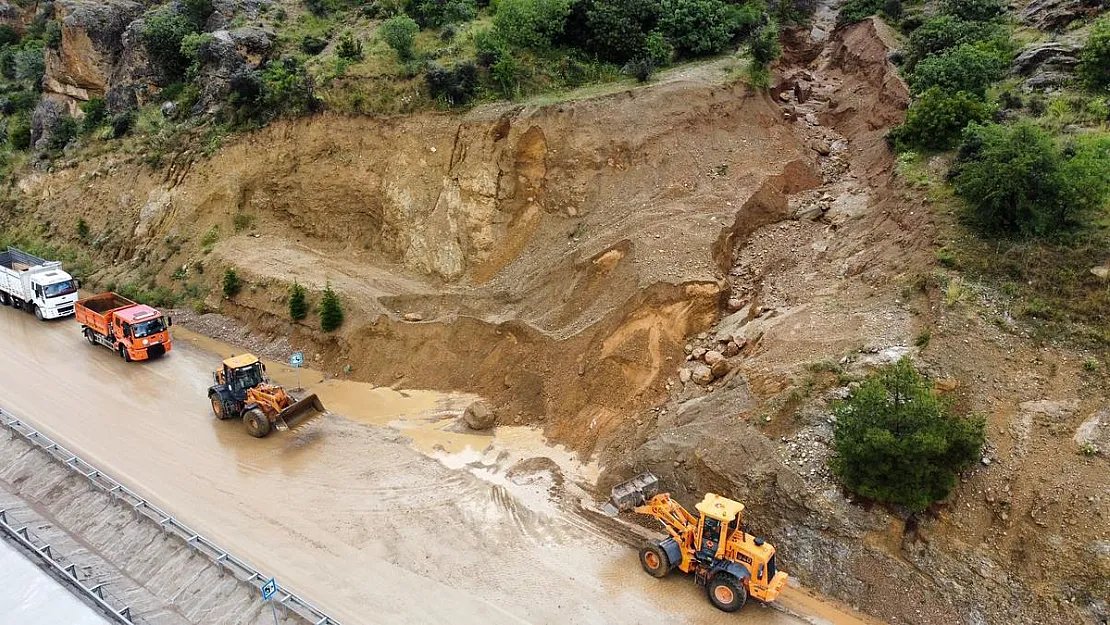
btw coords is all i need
(530, 23)
(973, 10)
(936, 119)
(437, 13)
(8, 35)
(82, 229)
(163, 32)
(765, 46)
(1094, 57)
(298, 303)
(898, 441)
(399, 32)
(696, 27)
(614, 30)
(231, 283)
(945, 32)
(1016, 180)
(968, 67)
(331, 310)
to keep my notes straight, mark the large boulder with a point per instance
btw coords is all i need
(1052, 56)
(48, 115)
(92, 43)
(478, 416)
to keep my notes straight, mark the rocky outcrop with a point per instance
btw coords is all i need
(226, 57)
(1046, 64)
(1058, 14)
(132, 82)
(92, 42)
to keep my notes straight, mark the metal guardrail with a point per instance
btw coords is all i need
(42, 549)
(140, 507)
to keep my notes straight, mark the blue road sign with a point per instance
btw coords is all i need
(297, 359)
(268, 589)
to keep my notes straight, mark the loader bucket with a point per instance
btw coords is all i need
(308, 409)
(627, 495)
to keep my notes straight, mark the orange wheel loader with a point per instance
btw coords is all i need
(730, 563)
(241, 391)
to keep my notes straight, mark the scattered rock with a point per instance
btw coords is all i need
(478, 416)
(701, 374)
(684, 375)
(698, 353)
(412, 316)
(735, 304)
(720, 368)
(732, 349)
(947, 385)
(812, 212)
(169, 109)
(712, 357)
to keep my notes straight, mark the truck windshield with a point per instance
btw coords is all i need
(146, 328)
(59, 289)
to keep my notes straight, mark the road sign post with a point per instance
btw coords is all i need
(269, 589)
(297, 361)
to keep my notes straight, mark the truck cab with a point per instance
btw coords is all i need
(142, 331)
(53, 294)
(36, 285)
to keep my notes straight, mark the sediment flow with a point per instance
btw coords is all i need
(350, 515)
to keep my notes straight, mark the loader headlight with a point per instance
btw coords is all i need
(146, 342)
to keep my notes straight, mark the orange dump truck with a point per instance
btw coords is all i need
(134, 331)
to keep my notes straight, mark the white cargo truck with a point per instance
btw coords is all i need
(36, 285)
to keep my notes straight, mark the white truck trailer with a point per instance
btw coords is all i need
(36, 285)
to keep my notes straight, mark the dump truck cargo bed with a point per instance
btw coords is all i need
(96, 312)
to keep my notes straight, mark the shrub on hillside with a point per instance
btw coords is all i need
(614, 30)
(163, 32)
(298, 302)
(231, 283)
(898, 441)
(438, 13)
(967, 68)
(1017, 181)
(1094, 58)
(19, 131)
(530, 23)
(945, 32)
(313, 45)
(29, 64)
(765, 46)
(349, 48)
(331, 310)
(8, 35)
(854, 11)
(696, 27)
(399, 32)
(96, 114)
(455, 86)
(973, 10)
(936, 119)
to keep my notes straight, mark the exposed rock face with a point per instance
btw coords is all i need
(44, 120)
(92, 42)
(226, 55)
(1057, 14)
(132, 80)
(1047, 64)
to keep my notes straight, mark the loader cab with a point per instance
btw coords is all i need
(240, 373)
(719, 518)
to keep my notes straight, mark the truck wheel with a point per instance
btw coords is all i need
(123, 354)
(88, 336)
(38, 314)
(5, 299)
(655, 561)
(726, 593)
(257, 424)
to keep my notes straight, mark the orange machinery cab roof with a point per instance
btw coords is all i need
(137, 313)
(242, 360)
(721, 508)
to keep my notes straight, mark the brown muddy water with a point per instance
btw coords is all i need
(388, 514)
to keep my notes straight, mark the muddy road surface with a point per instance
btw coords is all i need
(352, 515)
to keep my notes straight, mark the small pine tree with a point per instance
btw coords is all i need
(82, 229)
(232, 284)
(331, 310)
(298, 305)
(898, 441)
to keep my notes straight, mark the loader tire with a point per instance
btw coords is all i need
(726, 593)
(655, 561)
(257, 424)
(218, 409)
